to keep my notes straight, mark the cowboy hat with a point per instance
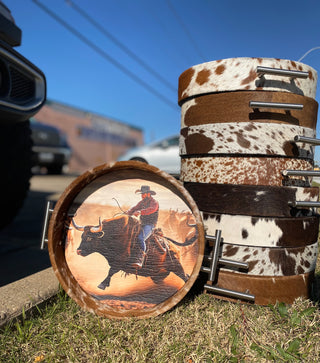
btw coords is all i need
(145, 189)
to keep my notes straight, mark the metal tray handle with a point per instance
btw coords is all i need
(230, 293)
(305, 173)
(298, 204)
(48, 213)
(283, 106)
(307, 140)
(281, 72)
(214, 262)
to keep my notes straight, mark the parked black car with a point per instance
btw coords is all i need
(22, 94)
(50, 147)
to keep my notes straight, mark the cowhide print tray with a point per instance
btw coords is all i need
(126, 239)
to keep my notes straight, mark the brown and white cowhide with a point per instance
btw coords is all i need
(263, 231)
(246, 138)
(252, 200)
(241, 74)
(235, 107)
(266, 261)
(244, 170)
(267, 289)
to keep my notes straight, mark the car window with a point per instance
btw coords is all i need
(174, 141)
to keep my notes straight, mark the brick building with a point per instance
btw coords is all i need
(94, 139)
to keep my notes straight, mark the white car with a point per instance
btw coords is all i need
(163, 154)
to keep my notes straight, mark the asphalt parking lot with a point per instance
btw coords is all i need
(20, 253)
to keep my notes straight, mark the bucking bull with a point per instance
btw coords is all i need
(115, 238)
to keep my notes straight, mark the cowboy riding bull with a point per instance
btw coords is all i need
(116, 239)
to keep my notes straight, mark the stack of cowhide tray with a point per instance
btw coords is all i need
(239, 118)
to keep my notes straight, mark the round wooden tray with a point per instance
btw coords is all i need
(263, 231)
(246, 139)
(252, 200)
(244, 170)
(267, 289)
(235, 74)
(272, 261)
(92, 241)
(235, 107)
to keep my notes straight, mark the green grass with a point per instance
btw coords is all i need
(199, 329)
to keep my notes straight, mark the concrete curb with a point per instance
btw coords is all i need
(25, 294)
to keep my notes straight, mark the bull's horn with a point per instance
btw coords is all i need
(98, 228)
(188, 221)
(78, 228)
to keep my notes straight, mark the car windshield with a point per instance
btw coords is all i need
(172, 141)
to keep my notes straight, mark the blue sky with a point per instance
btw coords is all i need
(168, 36)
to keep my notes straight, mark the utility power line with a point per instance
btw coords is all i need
(185, 29)
(178, 46)
(121, 45)
(106, 56)
(309, 51)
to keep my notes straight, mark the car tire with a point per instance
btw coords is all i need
(55, 169)
(16, 163)
(140, 159)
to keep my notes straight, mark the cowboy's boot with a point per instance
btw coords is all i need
(138, 258)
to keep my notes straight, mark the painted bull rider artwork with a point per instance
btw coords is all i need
(148, 209)
(132, 244)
